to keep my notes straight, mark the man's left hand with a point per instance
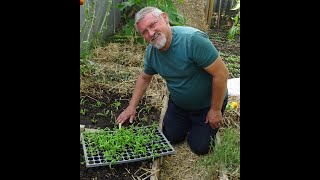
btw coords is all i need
(214, 118)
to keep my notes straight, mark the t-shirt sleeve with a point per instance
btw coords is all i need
(147, 63)
(201, 50)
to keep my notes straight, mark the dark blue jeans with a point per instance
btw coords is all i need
(178, 123)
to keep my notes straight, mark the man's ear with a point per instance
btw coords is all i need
(165, 17)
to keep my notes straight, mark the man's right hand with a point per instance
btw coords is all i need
(128, 113)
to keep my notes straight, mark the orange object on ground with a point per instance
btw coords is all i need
(81, 2)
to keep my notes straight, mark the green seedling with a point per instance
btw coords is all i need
(83, 111)
(98, 104)
(116, 105)
(93, 120)
(103, 113)
(82, 101)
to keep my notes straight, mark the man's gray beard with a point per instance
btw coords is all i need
(161, 43)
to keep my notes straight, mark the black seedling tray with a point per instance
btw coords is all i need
(128, 155)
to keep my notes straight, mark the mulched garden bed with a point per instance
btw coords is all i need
(101, 112)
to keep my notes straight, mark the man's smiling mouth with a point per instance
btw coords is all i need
(155, 36)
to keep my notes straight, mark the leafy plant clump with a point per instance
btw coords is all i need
(235, 29)
(124, 144)
(131, 7)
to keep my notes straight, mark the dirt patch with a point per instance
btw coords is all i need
(101, 112)
(219, 38)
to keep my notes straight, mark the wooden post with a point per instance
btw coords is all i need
(210, 13)
(219, 14)
(207, 11)
(81, 130)
(156, 164)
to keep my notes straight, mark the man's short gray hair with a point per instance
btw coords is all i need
(143, 12)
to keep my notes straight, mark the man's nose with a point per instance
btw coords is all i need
(151, 32)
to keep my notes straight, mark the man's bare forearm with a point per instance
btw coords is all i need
(219, 73)
(219, 87)
(141, 86)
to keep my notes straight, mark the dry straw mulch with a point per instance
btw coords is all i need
(117, 67)
(194, 12)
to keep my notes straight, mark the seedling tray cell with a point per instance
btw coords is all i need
(158, 147)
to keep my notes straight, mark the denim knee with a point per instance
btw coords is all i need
(198, 148)
(173, 137)
(176, 124)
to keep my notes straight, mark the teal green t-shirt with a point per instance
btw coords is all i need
(190, 86)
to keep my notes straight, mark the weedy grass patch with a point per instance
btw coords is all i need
(225, 156)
